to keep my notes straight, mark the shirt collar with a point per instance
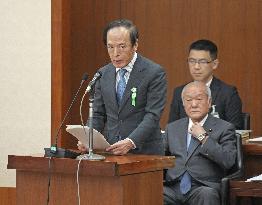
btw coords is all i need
(209, 82)
(201, 123)
(130, 65)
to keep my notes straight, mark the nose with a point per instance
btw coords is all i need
(197, 65)
(194, 103)
(116, 52)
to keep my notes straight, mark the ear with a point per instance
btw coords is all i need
(135, 46)
(215, 64)
(209, 103)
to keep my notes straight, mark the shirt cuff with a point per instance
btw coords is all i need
(134, 146)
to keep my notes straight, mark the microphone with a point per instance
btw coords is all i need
(96, 77)
(53, 151)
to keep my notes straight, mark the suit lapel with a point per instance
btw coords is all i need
(209, 124)
(184, 132)
(111, 85)
(215, 86)
(194, 143)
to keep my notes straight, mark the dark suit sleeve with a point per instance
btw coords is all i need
(99, 115)
(156, 98)
(174, 113)
(223, 150)
(233, 109)
(166, 144)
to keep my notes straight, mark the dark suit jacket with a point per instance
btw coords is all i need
(208, 163)
(140, 123)
(225, 97)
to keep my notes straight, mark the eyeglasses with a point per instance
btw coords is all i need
(201, 62)
(121, 47)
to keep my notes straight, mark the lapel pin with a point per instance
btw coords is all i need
(133, 96)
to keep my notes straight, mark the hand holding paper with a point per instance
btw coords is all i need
(82, 147)
(121, 147)
(98, 139)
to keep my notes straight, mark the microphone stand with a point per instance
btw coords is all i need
(91, 155)
(55, 151)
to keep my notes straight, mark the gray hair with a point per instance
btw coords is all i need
(197, 84)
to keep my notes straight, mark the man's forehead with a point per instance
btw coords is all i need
(118, 38)
(199, 53)
(200, 94)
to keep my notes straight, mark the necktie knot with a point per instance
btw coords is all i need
(122, 72)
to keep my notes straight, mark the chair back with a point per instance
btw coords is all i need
(235, 172)
(246, 120)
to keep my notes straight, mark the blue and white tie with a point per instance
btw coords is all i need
(185, 183)
(121, 86)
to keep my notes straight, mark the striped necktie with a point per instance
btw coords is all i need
(121, 86)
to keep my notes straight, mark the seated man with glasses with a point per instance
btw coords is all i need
(202, 62)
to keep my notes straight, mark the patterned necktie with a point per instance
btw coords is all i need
(185, 183)
(121, 86)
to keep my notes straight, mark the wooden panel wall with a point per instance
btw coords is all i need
(76, 48)
(60, 64)
(167, 27)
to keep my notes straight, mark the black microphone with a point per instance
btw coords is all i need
(53, 151)
(91, 84)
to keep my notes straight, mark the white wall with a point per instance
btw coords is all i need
(25, 80)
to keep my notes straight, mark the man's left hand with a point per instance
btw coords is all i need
(121, 147)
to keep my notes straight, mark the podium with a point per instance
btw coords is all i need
(118, 180)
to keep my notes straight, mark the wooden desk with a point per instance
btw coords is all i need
(252, 154)
(118, 180)
(244, 189)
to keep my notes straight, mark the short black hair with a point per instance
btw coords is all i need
(205, 45)
(122, 23)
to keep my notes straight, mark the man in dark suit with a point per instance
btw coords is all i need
(202, 61)
(130, 96)
(204, 147)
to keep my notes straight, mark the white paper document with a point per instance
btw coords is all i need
(99, 142)
(256, 178)
(241, 132)
(256, 140)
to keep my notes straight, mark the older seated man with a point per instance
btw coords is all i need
(204, 147)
